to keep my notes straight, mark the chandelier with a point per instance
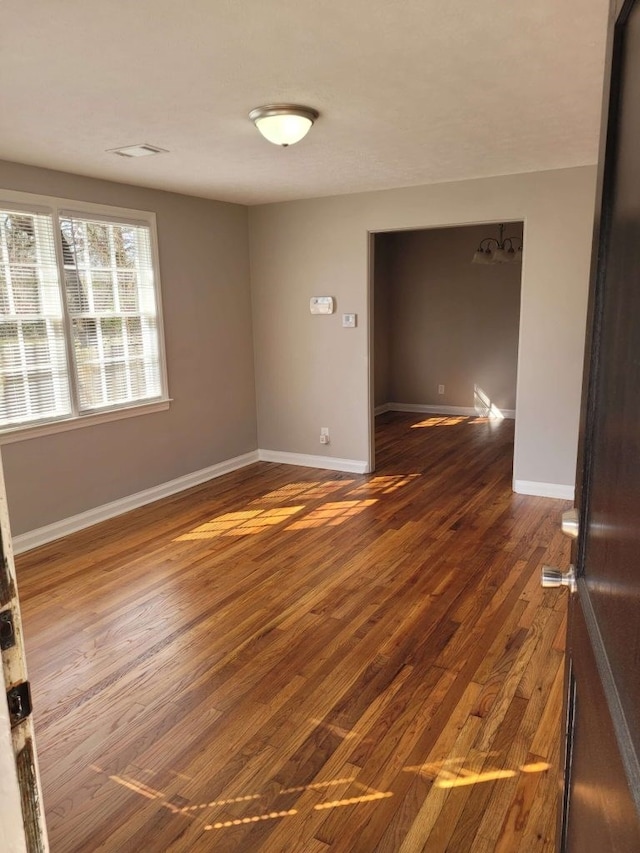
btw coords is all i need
(504, 250)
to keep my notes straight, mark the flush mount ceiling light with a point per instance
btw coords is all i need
(500, 251)
(283, 124)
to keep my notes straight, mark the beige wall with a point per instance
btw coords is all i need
(310, 372)
(452, 323)
(383, 254)
(203, 247)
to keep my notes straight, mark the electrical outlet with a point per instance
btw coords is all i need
(440, 389)
(324, 435)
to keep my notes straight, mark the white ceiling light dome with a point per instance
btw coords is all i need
(283, 124)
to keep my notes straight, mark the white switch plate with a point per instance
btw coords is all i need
(349, 321)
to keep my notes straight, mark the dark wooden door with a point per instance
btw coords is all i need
(602, 783)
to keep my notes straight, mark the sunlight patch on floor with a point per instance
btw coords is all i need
(240, 523)
(451, 772)
(384, 485)
(369, 795)
(440, 421)
(332, 514)
(308, 491)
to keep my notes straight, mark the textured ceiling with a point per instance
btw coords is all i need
(410, 91)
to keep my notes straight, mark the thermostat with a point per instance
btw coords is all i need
(321, 305)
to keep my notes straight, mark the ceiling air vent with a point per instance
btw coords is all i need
(142, 150)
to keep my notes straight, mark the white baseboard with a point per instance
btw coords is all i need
(42, 535)
(544, 490)
(331, 463)
(421, 408)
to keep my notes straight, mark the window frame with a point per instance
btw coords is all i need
(57, 208)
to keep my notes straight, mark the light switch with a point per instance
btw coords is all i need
(349, 321)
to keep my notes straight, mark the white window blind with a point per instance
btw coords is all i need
(80, 319)
(113, 312)
(33, 360)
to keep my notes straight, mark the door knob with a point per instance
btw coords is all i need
(570, 523)
(552, 578)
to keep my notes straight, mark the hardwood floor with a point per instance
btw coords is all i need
(288, 659)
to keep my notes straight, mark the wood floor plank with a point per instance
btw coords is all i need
(288, 660)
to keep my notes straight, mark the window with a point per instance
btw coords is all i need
(33, 361)
(80, 329)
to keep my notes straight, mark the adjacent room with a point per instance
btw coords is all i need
(292, 325)
(446, 319)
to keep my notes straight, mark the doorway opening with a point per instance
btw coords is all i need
(445, 322)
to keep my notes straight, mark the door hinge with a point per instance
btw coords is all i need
(7, 630)
(19, 702)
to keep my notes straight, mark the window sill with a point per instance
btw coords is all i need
(26, 433)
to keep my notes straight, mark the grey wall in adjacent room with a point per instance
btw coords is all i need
(204, 267)
(448, 322)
